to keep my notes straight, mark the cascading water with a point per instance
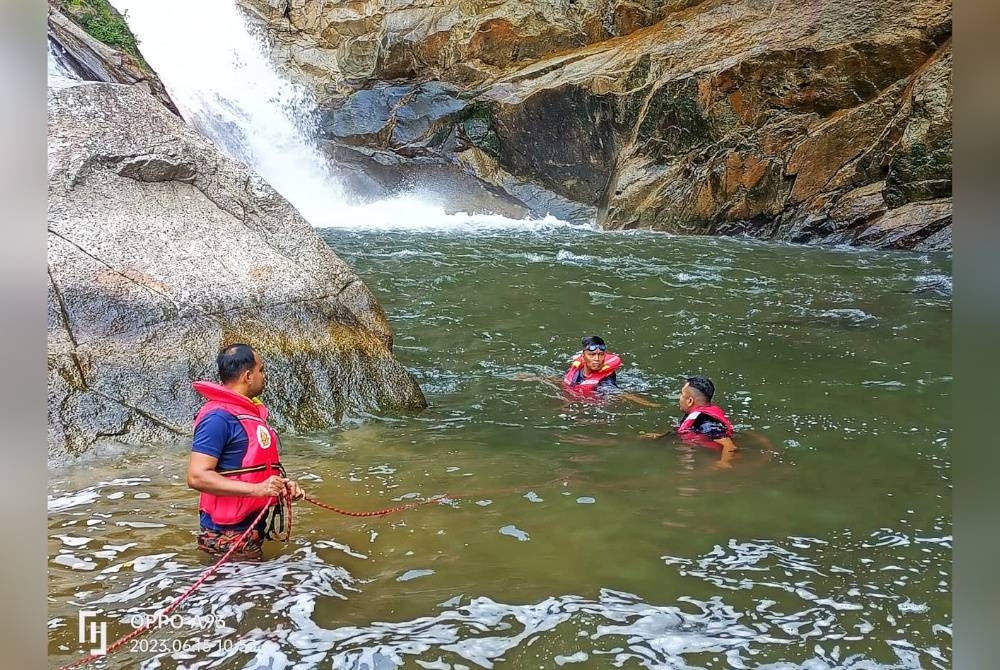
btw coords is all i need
(216, 68)
(59, 72)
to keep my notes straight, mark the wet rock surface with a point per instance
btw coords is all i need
(771, 119)
(161, 250)
(92, 60)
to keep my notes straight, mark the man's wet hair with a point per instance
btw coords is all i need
(234, 360)
(592, 340)
(702, 385)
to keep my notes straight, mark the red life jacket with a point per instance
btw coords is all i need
(611, 363)
(686, 429)
(259, 463)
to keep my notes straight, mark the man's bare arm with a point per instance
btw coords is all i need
(532, 377)
(638, 400)
(202, 476)
(728, 449)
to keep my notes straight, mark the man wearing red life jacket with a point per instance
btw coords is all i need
(702, 420)
(703, 423)
(593, 368)
(234, 455)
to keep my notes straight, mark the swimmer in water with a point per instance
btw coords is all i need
(702, 422)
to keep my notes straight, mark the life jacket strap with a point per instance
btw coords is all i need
(255, 468)
(252, 417)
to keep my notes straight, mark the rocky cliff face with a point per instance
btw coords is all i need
(819, 122)
(92, 60)
(338, 46)
(161, 250)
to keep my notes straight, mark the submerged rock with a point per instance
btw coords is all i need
(161, 250)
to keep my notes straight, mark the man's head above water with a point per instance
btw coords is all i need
(594, 351)
(242, 370)
(697, 391)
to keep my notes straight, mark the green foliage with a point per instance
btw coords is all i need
(105, 24)
(478, 127)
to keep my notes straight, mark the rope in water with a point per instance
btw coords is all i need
(162, 616)
(378, 512)
(285, 502)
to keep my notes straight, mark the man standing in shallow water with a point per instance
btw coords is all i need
(234, 456)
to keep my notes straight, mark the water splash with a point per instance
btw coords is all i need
(215, 64)
(59, 72)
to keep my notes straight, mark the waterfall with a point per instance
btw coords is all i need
(60, 73)
(215, 65)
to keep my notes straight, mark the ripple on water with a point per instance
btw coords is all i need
(413, 574)
(515, 532)
(838, 603)
(91, 494)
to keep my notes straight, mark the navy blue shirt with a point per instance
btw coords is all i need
(611, 381)
(220, 435)
(709, 426)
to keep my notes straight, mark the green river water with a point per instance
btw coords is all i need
(572, 541)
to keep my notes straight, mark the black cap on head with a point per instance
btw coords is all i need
(592, 340)
(702, 385)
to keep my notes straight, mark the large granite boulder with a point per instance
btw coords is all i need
(161, 250)
(391, 140)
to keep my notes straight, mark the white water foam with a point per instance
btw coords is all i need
(58, 74)
(216, 67)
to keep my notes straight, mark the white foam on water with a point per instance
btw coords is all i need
(77, 499)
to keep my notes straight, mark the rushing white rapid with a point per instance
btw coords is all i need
(216, 67)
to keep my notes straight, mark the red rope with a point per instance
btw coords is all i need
(161, 617)
(117, 644)
(378, 512)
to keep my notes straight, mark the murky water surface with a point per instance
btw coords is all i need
(572, 541)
